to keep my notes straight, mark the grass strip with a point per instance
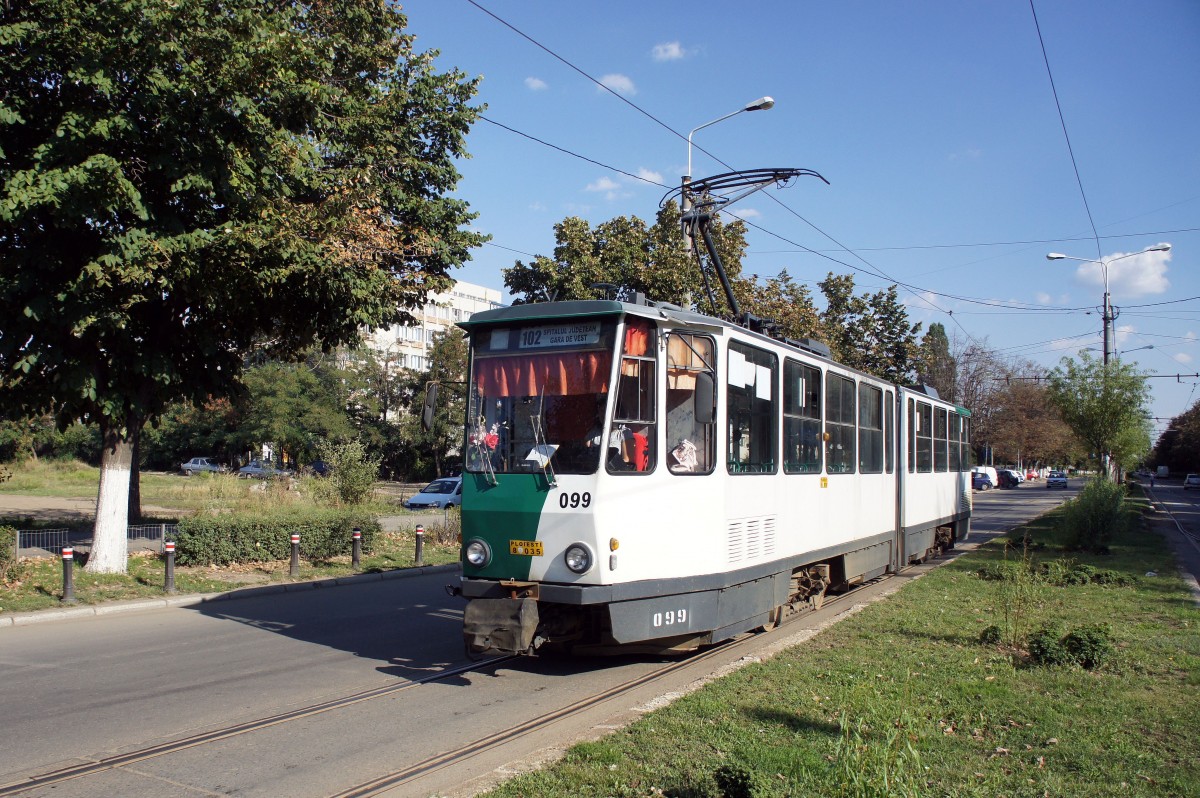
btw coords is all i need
(903, 698)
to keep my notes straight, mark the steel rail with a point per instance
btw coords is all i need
(214, 735)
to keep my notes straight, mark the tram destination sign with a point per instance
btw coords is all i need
(582, 333)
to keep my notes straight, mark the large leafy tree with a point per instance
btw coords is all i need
(628, 254)
(870, 332)
(936, 365)
(1179, 447)
(185, 180)
(1105, 404)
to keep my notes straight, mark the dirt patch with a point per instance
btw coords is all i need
(67, 511)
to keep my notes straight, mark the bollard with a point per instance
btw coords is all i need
(420, 560)
(356, 556)
(169, 581)
(68, 561)
(295, 569)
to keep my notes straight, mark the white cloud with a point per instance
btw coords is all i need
(610, 188)
(747, 213)
(620, 84)
(668, 51)
(968, 154)
(650, 174)
(1129, 275)
(1182, 357)
(537, 206)
(535, 84)
(603, 184)
(1042, 298)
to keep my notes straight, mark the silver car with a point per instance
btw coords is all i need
(199, 464)
(1057, 479)
(1191, 481)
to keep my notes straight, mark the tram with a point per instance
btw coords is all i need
(639, 476)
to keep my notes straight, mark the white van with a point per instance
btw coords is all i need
(991, 472)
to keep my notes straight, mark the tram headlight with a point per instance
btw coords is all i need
(579, 558)
(478, 553)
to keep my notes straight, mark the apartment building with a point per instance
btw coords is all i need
(408, 346)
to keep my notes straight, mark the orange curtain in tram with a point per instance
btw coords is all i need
(637, 337)
(559, 374)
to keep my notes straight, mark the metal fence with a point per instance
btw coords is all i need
(50, 542)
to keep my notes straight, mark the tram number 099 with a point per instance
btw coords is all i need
(574, 500)
(669, 618)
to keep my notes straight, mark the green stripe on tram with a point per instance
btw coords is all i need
(498, 513)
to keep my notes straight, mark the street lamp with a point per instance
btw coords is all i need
(761, 104)
(1107, 311)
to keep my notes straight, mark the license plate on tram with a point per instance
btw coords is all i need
(528, 548)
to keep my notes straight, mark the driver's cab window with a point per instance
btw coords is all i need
(633, 432)
(690, 431)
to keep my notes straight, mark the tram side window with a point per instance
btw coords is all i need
(753, 409)
(967, 453)
(912, 438)
(691, 443)
(631, 442)
(870, 429)
(940, 456)
(839, 423)
(889, 431)
(955, 442)
(801, 418)
(924, 437)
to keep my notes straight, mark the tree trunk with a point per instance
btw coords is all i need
(135, 477)
(109, 547)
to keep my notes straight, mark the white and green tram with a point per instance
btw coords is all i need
(641, 477)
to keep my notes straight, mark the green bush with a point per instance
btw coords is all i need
(1088, 647)
(352, 473)
(8, 550)
(991, 636)
(1046, 647)
(735, 781)
(1091, 646)
(239, 538)
(1091, 520)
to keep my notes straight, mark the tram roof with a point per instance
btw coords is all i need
(583, 308)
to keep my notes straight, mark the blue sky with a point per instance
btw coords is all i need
(935, 122)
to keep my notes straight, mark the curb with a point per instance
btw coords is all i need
(192, 599)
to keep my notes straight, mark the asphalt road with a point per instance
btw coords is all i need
(80, 690)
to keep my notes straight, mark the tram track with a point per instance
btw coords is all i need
(726, 650)
(127, 758)
(734, 649)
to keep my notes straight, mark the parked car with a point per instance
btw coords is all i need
(981, 481)
(1057, 479)
(1008, 478)
(198, 464)
(1017, 476)
(319, 468)
(438, 495)
(261, 470)
(1031, 475)
(1191, 481)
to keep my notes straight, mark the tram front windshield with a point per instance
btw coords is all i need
(537, 396)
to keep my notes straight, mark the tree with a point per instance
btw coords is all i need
(936, 365)
(182, 185)
(870, 333)
(1026, 426)
(1105, 404)
(447, 363)
(1179, 447)
(629, 255)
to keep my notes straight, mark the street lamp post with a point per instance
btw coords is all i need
(761, 104)
(1107, 310)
